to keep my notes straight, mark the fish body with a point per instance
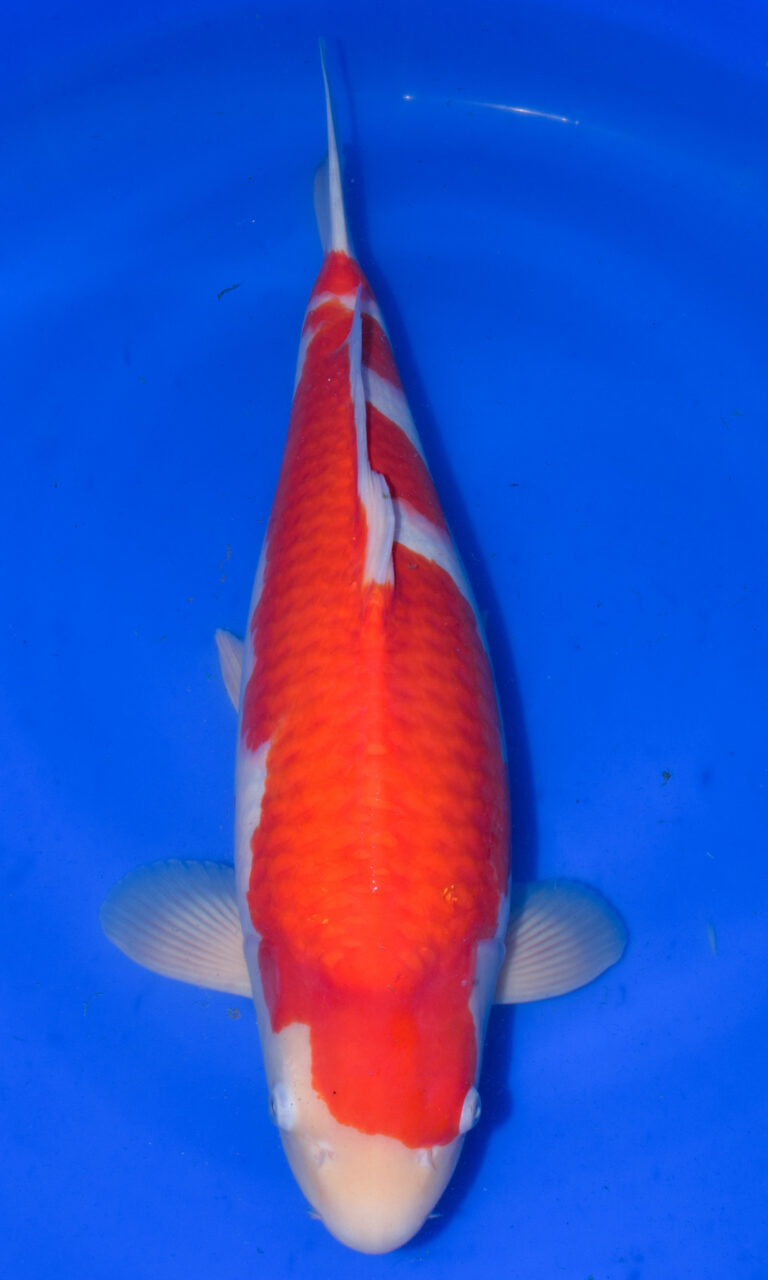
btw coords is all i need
(369, 911)
(372, 828)
(372, 812)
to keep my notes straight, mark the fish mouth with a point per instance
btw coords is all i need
(372, 1193)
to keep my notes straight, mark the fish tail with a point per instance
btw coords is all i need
(329, 198)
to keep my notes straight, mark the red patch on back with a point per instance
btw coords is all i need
(376, 1055)
(381, 856)
(377, 353)
(339, 274)
(392, 454)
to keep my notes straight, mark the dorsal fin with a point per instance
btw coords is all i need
(329, 200)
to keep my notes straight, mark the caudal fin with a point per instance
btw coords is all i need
(329, 200)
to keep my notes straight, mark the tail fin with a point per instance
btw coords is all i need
(329, 200)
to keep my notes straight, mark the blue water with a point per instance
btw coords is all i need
(578, 311)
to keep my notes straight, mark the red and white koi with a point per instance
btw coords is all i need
(369, 909)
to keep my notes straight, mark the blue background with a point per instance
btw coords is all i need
(578, 311)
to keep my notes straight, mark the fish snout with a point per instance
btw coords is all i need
(372, 1192)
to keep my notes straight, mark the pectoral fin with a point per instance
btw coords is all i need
(180, 919)
(561, 935)
(231, 663)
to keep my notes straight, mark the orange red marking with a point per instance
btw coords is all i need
(380, 859)
(392, 453)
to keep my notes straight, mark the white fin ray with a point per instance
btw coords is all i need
(231, 663)
(561, 935)
(180, 919)
(371, 486)
(329, 198)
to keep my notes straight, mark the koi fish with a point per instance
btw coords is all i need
(369, 913)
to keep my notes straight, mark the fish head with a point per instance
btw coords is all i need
(373, 1088)
(372, 1191)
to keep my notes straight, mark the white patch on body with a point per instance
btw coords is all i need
(490, 954)
(368, 305)
(372, 488)
(415, 532)
(249, 660)
(389, 400)
(250, 785)
(306, 337)
(418, 534)
(250, 769)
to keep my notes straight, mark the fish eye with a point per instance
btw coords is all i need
(470, 1111)
(282, 1106)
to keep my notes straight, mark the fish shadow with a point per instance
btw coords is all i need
(494, 1087)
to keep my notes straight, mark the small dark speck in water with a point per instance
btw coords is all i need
(229, 289)
(666, 775)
